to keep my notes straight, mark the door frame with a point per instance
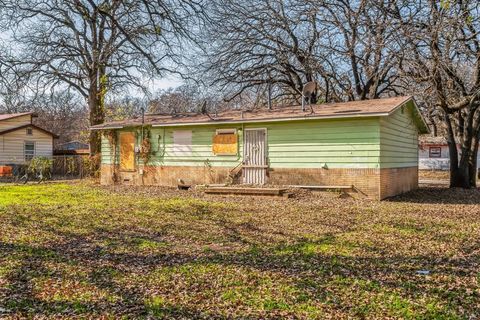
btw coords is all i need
(120, 151)
(267, 166)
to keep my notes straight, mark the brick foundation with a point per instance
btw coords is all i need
(397, 180)
(165, 175)
(375, 183)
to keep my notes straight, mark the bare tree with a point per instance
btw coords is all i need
(343, 45)
(125, 107)
(96, 47)
(62, 112)
(13, 91)
(441, 60)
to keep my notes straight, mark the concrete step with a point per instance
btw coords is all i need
(246, 191)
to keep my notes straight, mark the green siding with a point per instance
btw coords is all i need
(352, 143)
(339, 143)
(399, 139)
(106, 151)
(201, 147)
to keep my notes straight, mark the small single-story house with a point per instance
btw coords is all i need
(21, 140)
(372, 145)
(434, 154)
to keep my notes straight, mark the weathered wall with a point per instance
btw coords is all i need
(321, 152)
(166, 175)
(399, 140)
(12, 145)
(374, 183)
(395, 181)
(442, 163)
(398, 152)
(295, 144)
(365, 180)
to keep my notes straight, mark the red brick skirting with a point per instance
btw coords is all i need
(375, 183)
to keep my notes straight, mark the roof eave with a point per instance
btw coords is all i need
(422, 126)
(156, 125)
(270, 120)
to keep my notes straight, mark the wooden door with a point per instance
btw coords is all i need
(127, 151)
(255, 156)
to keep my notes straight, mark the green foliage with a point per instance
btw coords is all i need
(445, 4)
(40, 167)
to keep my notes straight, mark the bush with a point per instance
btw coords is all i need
(91, 166)
(40, 167)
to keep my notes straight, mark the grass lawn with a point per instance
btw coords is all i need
(84, 251)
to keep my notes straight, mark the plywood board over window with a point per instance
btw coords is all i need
(127, 151)
(182, 142)
(225, 142)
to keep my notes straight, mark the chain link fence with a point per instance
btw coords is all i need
(69, 167)
(58, 167)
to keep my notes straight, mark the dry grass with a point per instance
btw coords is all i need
(434, 174)
(84, 251)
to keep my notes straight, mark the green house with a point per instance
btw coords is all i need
(371, 145)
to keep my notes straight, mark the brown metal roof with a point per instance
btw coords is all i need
(352, 109)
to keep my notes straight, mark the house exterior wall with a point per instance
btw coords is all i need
(398, 152)
(12, 145)
(441, 163)
(295, 144)
(15, 122)
(306, 152)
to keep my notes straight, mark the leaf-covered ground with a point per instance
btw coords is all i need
(83, 251)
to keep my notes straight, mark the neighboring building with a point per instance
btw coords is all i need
(21, 140)
(434, 153)
(372, 145)
(72, 148)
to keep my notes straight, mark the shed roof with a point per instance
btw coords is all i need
(352, 109)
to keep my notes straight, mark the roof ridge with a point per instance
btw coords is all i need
(344, 109)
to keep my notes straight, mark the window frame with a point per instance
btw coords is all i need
(432, 154)
(226, 131)
(29, 131)
(25, 156)
(185, 148)
(132, 154)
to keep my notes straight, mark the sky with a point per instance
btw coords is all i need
(172, 81)
(165, 83)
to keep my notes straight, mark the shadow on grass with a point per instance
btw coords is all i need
(318, 276)
(439, 195)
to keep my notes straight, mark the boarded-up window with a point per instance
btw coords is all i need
(225, 142)
(127, 151)
(182, 143)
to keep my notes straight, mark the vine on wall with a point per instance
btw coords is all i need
(112, 139)
(145, 146)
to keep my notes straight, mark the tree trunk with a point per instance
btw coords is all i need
(472, 163)
(460, 177)
(459, 170)
(97, 116)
